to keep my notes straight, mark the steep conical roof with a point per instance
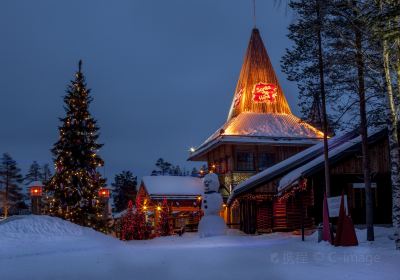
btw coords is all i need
(259, 112)
(258, 88)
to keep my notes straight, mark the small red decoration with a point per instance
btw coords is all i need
(36, 191)
(263, 92)
(134, 224)
(345, 232)
(238, 97)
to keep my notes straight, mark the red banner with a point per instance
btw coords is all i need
(263, 92)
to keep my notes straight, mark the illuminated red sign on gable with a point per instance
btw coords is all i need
(263, 92)
(238, 97)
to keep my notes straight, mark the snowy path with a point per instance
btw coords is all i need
(48, 248)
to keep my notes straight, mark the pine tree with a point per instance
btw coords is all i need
(301, 61)
(74, 186)
(176, 171)
(164, 167)
(34, 174)
(10, 179)
(354, 53)
(46, 173)
(195, 172)
(124, 189)
(306, 64)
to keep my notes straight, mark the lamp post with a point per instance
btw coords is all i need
(36, 191)
(104, 195)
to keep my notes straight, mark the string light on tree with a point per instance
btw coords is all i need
(75, 186)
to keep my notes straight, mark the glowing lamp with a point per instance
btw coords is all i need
(199, 198)
(36, 190)
(104, 193)
(159, 208)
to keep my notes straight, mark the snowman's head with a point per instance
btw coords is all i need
(211, 182)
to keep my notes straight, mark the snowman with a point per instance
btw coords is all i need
(211, 224)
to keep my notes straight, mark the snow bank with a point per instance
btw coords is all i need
(21, 227)
(234, 256)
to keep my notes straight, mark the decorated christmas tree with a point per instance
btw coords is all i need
(75, 185)
(142, 228)
(164, 228)
(128, 223)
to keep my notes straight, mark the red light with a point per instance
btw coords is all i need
(104, 193)
(36, 191)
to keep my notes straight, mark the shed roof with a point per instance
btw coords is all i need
(178, 187)
(289, 164)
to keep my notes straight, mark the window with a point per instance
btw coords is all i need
(245, 161)
(265, 160)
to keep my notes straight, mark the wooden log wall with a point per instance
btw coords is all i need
(264, 217)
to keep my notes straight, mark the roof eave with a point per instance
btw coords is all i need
(332, 160)
(233, 139)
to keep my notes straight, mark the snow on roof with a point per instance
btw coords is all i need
(173, 185)
(292, 177)
(263, 127)
(267, 125)
(291, 162)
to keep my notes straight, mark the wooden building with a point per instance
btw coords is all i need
(183, 195)
(296, 186)
(260, 130)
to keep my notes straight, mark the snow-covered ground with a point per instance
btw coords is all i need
(40, 247)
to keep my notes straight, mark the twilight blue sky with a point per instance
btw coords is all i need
(162, 73)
